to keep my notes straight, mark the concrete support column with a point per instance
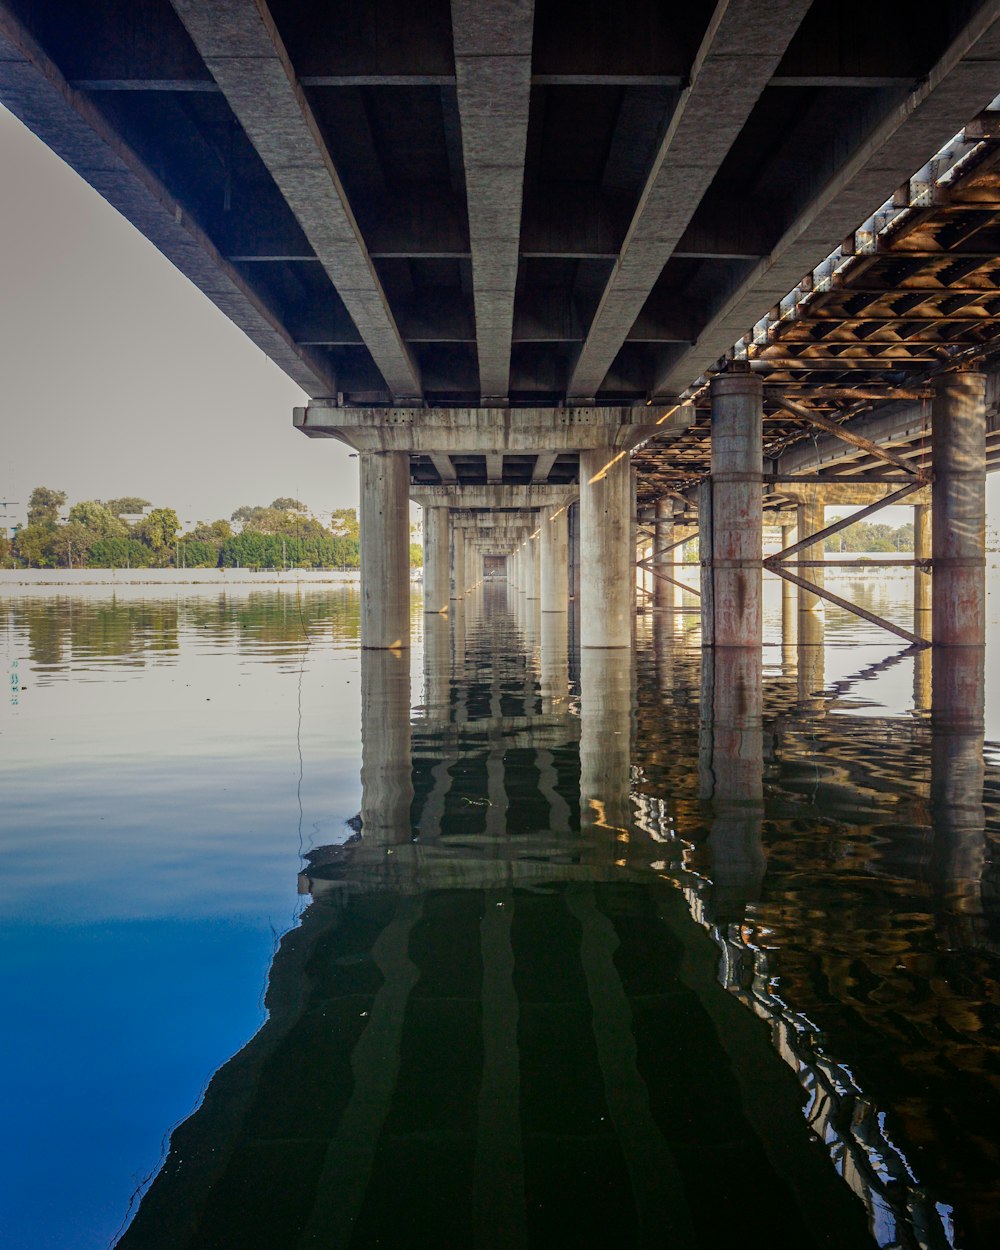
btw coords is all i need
(922, 549)
(457, 562)
(385, 549)
(737, 508)
(606, 570)
(437, 574)
(532, 561)
(788, 605)
(664, 594)
(554, 560)
(472, 564)
(811, 518)
(958, 524)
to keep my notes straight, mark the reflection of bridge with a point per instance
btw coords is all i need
(458, 950)
(505, 244)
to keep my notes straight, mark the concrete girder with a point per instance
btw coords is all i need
(840, 494)
(522, 519)
(76, 130)
(486, 497)
(894, 426)
(484, 430)
(737, 57)
(959, 86)
(242, 48)
(493, 85)
(445, 469)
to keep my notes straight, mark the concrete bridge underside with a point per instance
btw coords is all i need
(576, 268)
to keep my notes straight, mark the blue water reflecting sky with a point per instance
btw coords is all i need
(151, 832)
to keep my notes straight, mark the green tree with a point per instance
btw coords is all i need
(158, 530)
(344, 523)
(71, 544)
(6, 549)
(128, 504)
(285, 503)
(120, 553)
(98, 519)
(210, 532)
(33, 546)
(416, 555)
(245, 513)
(44, 505)
(195, 553)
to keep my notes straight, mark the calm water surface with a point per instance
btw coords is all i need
(502, 947)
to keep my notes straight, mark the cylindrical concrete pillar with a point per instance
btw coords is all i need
(737, 508)
(457, 562)
(664, 593)
(385, 549)
(606, 570)
(811, 519)
(472, 562)
(958, 522)
(922, 549)
(532, 562)
(789, 612)
(437, 575)
(554, 560)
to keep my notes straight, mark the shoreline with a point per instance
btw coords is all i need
(71, 578)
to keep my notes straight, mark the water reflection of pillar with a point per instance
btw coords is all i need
(457, 637)
(922, 607)
(731, 772)
(555, 663)
(386, 754)
(437, 667)
(532, 628)
(605, 739)
(957, 776)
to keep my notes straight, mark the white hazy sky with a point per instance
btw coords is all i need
(118, 377)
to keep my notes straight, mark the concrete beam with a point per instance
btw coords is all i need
(492, 496)
(543, 466)
(738, 55)
(241, 46)
(69, 123)
(494, 468)
(445, 469)
(479, 430)
(959, 86)
(522, 518)
(839, 494)
(893, 425)
(493, 86)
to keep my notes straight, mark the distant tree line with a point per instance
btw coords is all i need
(864, 536)
(121, 533)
